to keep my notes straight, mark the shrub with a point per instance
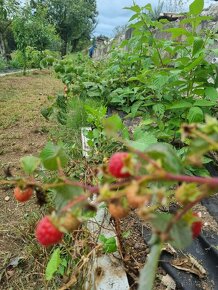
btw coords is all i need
(34, 58)
(3, 63)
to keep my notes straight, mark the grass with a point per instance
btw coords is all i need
(22, 131)
(17, 94)
(70, 134)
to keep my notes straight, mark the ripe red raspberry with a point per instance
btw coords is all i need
(196, 227)
(23, 195)
(117, 163)
(46, 233)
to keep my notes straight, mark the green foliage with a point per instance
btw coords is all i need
(29, 164)
(195, 115)
(166, 154)
(33, 58)
(65, 193)
(196, 7)
(8, 8)
(3, 63)
(163, 79)
(53, 156)
(33, 30)
(180, 233)
(109, 244)
(73, 19)
(53, 264)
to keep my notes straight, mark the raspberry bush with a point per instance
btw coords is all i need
(160, 160)
(145, 190)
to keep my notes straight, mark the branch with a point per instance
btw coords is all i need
(179, 215)
(211, 181)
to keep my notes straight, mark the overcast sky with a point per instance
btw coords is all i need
(111, 14)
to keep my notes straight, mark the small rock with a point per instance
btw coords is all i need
(200, 214)
(7, 198)
(10, 273)
(25, 149)
(168, 282)
(137, 246)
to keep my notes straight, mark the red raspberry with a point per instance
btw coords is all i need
(23, 195)
(196, 227)
(116, 164)
(46, 233)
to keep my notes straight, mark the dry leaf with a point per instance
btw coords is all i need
(189, 264)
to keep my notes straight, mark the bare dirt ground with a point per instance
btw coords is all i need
(23, 131)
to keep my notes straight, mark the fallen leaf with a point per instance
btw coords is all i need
(189, 264)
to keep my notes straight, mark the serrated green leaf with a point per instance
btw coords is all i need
(201, 172)
(167, 155)
(135, 107)
(29, 163)
(109, 244)
(133, 17)
(178, 31)
(102, 238)
(181, 235)
(65, 193)
(211, 93)
(197, 45)
(161, 220)
(142, 141)
(148, 273)
(53, 264)
(179, 105)
(113, 123)
(148, 7)
(196, 7)
(159, 110)
(204, 103)
(134, 8)
(50, 156)
(194, 63)
(195, 115)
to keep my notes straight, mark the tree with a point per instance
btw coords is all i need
(33, 29)
(74, 20)
(8, 9)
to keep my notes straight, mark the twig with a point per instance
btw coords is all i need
(84, 260)
(179, 215)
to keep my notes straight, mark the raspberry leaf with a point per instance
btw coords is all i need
(167, 155)
(109, 244)
(29, 163)
(65, 193)
(53, 264)
(50, 156)
(181, 235)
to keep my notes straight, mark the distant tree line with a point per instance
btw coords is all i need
(61, 25)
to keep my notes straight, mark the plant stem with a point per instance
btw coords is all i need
(211, 181)
(206, 138)
(74, 202)
(179, 215)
